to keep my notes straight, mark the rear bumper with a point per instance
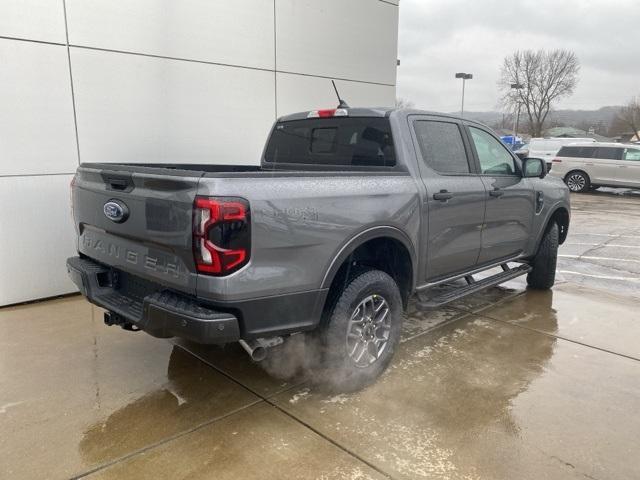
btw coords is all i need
(161, 313)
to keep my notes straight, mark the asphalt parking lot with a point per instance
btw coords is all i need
(507, 384)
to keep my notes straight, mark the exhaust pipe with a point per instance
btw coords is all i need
(258, 348)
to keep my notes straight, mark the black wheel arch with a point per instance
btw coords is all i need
(383, 247)
(560, 215)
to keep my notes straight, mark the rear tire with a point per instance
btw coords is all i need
(362, 331)
(577, 181)
(543, 275)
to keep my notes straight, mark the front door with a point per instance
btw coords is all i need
(510, 198)
(453, 208)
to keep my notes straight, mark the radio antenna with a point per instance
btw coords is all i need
(341, 102)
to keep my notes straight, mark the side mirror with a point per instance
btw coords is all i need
(534, 168)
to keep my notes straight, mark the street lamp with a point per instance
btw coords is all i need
(516, 87)
(464, 77)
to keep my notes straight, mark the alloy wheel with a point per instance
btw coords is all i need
(368, 331)
(576, 182)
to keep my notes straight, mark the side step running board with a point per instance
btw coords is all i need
(425, 302)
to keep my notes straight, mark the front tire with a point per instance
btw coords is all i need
(543, 275)
(362, 331)
(577, 181)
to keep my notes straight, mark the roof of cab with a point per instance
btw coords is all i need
(353, 112)
(378, 112)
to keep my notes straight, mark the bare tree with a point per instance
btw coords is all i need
(403, 103)
(629, 115)
(535, 80)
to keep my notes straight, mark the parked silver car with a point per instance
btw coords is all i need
(591, 165)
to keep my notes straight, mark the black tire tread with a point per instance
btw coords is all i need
(544, 263)
(349, 378)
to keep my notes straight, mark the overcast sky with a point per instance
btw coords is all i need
(440, 37)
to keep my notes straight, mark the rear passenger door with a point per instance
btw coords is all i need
(631, 162)
(510, 198)
(453, 210)
(606, 165)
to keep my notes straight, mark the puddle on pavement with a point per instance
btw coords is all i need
(584, 315)
(479, 399)
(257, 443)
(193, 393)
(77, 394)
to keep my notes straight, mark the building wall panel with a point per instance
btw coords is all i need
(37, 133)
(354, 39)
(238, 32)
(36, 236)
(41, 20)
(141, 109)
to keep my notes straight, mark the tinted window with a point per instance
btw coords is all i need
(323, 140)
(632, 154)
(568, 152)
(441, 146)
(609, 153)
(494, 158)
(586, 152)
(578, 152)
(332, 141)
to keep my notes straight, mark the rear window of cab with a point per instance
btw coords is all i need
(337, 141)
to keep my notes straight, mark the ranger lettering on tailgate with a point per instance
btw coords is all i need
(150, 262)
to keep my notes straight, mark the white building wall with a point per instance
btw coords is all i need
(197, 81)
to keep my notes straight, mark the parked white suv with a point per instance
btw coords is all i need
(547, 148)
(592, 165)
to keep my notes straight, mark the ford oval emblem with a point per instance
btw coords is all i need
(116, 211)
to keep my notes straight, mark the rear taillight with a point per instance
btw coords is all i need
(556, 160)
(221, 235)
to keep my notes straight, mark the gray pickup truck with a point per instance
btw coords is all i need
(351, 213)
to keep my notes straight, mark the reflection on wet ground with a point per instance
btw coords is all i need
(509, 383)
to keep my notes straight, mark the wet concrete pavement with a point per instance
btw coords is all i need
(507, 384)
(603, 247)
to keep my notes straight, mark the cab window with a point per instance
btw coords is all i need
(493, 156)
(441, 146)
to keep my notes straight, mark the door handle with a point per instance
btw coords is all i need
(496, 192)
(622, 166)
(442, 195)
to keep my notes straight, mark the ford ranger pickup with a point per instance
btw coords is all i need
(351, 213)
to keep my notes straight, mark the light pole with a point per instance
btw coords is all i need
(464, 77)
(516, 87)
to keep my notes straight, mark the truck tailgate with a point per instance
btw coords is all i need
(148, 232)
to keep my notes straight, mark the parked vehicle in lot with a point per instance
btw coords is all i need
(547, 148)
(351, 212)
(593, 165)
(522, 152)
